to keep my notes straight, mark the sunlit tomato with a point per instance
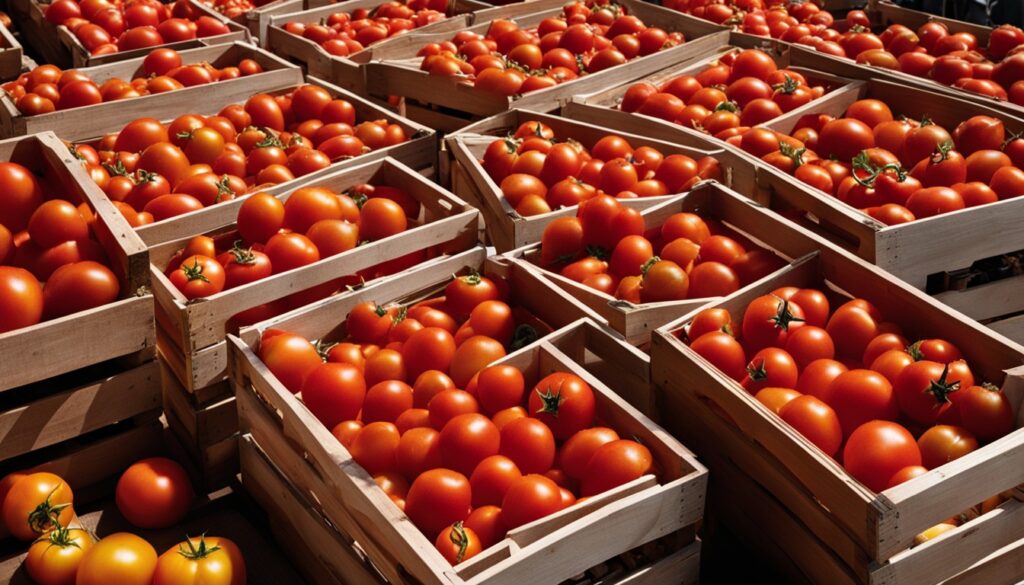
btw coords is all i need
(54, 558)
(120, 558)
(79, 286)
(943, 443)
(33, 501)
(923, 390)
(530, 498)
(614, 464)
(564, 402)
(154, 493)
(438, 498)
(985, 412)
(877, 450)
(816, 421)
(723, 351)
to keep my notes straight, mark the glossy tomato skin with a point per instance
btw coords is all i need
(943, 443)
(437, 498)
(613, 464)
(21, 299)
(121, 558)
(458, 543)
(985, 412)
(923, 390)
(564, 402)
(877, 450)
(78, 287)
(815, 420)
(53, 559)
(45, 491)
(530, 498)
(334, 392)
(207, 560)
(154, 493)
(289, 357)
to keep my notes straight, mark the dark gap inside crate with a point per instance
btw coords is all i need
(984, 271)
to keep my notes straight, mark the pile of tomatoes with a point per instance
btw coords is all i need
(110, 26)
(344, 33)
(931, 51)
(275, 237)
(755, 91)
(45, 238)
(590, 36)
(851, 382)
(47, 88)
(538, 174)
(954, 58)
(234, 8)
(896, 170)
(153, 493)
(154, 171)
(469, 450)
(607, 247)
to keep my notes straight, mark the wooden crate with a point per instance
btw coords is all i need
(609, 98)
(710, 200)
(63, 407)
(808, 57)
(347, 72)
(93, 462)
(11, 55)
(203, 421)
(194, 331)
(38, 32)
(80, 56)
(395, 69)
(329, 556)
(768, 527)
(225, 513)
(418, 152)
(869, 532)
(108, 117)
(211, 467)
(568, 542)
(68, 343)
(508, 230)
(913, 251)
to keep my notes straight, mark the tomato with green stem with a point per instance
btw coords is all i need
(564, 402)
(210, 561)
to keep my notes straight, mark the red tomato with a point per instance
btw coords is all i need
(564, 402)
(877, 450)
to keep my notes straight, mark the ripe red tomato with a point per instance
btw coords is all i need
(79, 286)
(614, 464)
(564, 402)
(985, 412)
(816, 421)
(334, 392)
(154, 493)
(437, 498)
(877, 450)
(943, 443)
(289, 357)
(529, 443)
(21, 298)
(530, 498)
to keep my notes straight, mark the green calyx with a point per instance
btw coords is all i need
(196, 552)
(784, 316)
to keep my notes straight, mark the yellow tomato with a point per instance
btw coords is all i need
(54, 559)
(210, 560)
(120, 558)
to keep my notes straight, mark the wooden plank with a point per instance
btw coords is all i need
(883, 524)
(386, 536)
(204, 322)
(322, 553)
(418, 152)
(76, 339)
(71, 413)
(11, 55)
(346, 72)
(397, 73)
(109, 117)
(710, 200)
(506, 228)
